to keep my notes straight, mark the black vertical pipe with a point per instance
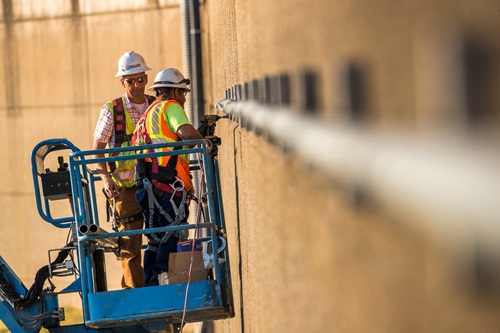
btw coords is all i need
(198, 96)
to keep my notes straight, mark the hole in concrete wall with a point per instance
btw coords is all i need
(486, 272)
(238, 90)
(284, 89)
(253, 90)
(356, 91)
(309, 90)
(246, 91)
(479, 82)
(265, 90)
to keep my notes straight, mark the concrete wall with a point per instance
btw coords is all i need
(307, 252)
(58, 63)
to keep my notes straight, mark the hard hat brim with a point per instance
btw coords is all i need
(134, 71)
(167, 85)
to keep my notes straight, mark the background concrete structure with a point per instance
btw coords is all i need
(318, 251)
(58, 63)
(398, 235)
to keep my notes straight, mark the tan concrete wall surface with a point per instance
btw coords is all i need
(57, 67)
(305, 255)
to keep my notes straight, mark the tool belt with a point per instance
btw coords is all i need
(130, 219)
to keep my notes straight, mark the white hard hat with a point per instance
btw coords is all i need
(170, 77)
(131, 63)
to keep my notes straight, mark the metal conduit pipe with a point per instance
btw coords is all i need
(440, 183)
(186, 67)
(191, 59)
(94, 229)
(186, 50)
(84, 229)
(198, 95)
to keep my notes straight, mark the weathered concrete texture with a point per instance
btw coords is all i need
(35, 9)
(309, 260)
(58, 63)
(249, 39)
(306, 256)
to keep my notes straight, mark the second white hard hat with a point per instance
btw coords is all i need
(131, 63)
(170, 77)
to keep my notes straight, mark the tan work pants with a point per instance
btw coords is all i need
(130, 246)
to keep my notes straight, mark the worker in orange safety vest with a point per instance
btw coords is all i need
(164, 183)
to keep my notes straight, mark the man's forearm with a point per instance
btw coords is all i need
(101, 167)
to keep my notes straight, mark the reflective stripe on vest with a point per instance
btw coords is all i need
(159, 131)
(124, 172)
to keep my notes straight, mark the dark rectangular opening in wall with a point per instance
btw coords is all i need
(309, 91)
(479, 82)
(356, 91)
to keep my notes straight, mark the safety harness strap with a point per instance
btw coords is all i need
(119, 123)
(152, 248)
(153, 170)
(152, 203)
(166, 174)
(119, 127)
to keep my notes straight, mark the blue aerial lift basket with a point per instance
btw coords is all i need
(150, 309)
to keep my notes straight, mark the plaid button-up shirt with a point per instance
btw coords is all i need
(104, 130)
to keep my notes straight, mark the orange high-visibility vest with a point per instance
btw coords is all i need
(153, 128)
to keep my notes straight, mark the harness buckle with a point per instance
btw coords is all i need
(180, 210)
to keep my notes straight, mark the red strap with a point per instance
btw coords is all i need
(147, 138)
(119, 121)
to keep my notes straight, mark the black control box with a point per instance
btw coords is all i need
(56, 185)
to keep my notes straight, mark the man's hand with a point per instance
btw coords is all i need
(206, 129)
(109, 186)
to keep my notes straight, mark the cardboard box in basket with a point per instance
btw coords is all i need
(178, 268)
